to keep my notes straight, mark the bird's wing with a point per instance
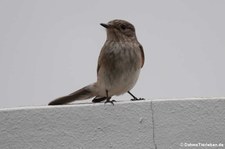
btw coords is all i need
(142, 55)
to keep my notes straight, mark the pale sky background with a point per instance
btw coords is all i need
(49, 48)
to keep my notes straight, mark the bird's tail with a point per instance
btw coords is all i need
(83, 93)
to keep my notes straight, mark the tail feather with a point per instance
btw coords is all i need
(83, 93)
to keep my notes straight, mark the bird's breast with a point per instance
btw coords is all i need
(121, 66)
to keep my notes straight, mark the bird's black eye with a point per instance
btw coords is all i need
(123, 27)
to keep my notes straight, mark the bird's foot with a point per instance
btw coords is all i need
(136, 99)
(110, 101)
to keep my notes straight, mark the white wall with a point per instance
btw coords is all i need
(142, 125)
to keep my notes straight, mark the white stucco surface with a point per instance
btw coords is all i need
(169, 123)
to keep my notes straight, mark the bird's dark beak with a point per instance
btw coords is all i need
(104, 25)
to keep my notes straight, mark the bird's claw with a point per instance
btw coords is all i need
(137, 99)
(110, 101)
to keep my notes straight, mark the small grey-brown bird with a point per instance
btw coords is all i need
(119, 65)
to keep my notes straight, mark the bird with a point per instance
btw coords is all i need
(119, 64)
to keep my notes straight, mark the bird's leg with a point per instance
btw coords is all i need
(134, 98)
(108, 98)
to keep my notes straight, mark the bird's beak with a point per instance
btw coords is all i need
(104, 25)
